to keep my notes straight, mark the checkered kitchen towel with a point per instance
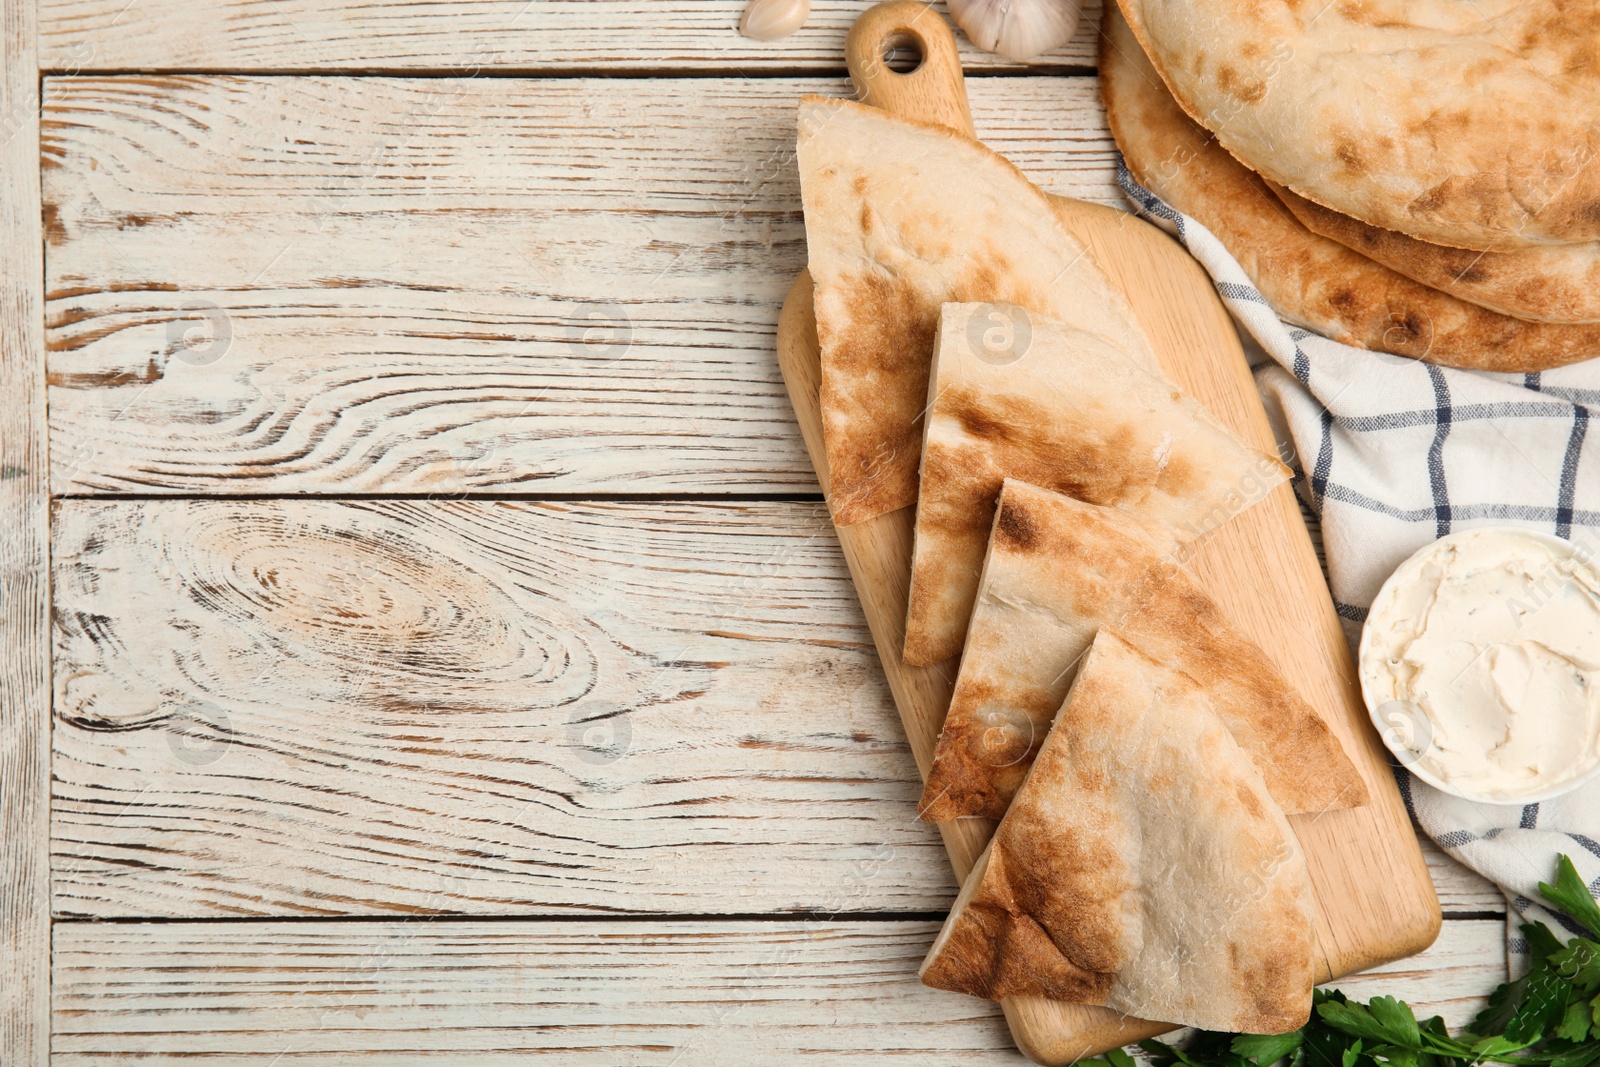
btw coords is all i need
(1391, 454)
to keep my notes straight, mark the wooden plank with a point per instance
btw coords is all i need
(1461, 892)
(285, 285)
(465, 36)
(295, 708)
(320, 708)
(571, 993)
(24, 539)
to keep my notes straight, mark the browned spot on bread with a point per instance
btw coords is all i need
(1179, 477)
(1349, 153)
(1248, 90)
(1065, 448)
(998, 952)
(1567, 30)
(1431, 200)
(975, 418)
(1015, 528)
(1364, 13)
(890, 336)
(1250, 802)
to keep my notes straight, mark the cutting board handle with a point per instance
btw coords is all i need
(933, 92)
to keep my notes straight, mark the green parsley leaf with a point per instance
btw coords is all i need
(1399, 1023)
(1119, 1058)
(1583, 1056)
(1503, 1003)
(1385, 1019)
(1573, 897)
(1543, 1004)
(1267, 1049)
(1579, 964)
(1397, 1057)
(1542, 944)
(1574, 1025)
(1493, 1047)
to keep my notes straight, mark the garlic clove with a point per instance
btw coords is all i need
(768, 20)
(1017, 29)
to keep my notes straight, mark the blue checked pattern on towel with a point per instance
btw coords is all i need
(1391, 454)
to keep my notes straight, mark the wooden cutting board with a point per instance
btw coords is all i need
(1375, 898)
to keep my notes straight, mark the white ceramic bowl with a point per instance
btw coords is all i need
(1397, 725)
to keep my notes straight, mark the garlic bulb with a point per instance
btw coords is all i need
(768, 20)
(1017, 29)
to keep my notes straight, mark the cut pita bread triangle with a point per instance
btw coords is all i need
(1057, 571)
(1017, 395)
(1143, 867)
(900, 218)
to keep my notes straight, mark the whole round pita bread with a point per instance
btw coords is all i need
(1543, 283)
(1308, 279)
(1471, 124)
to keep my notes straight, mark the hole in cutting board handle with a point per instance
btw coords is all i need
(903, 52)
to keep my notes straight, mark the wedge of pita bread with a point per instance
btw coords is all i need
(1143, 867)
(1541, 283)
(1057, 571)
(1309, 280)
(900, 218)
(1015, 395)
(1466, 124)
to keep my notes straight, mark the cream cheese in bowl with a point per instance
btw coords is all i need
(1480, 664)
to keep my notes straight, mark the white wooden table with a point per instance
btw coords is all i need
(425, 642)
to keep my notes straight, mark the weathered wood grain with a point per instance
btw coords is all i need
(572, 993)
(525, 36)
(1461, 892)
(330, 286)
(320, 708)
(24, 581)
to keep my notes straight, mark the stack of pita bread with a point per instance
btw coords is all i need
(1139, 751)
(1409, 176)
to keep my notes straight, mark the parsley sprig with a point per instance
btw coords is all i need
(1550, 1017)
